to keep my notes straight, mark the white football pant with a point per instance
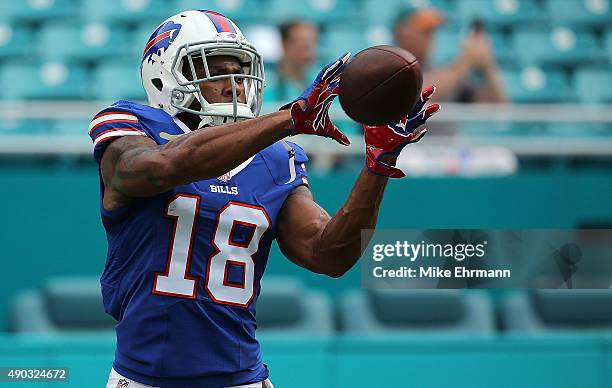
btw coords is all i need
(115, 380)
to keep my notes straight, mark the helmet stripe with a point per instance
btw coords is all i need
(222, 24)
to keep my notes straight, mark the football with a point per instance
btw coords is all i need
(380, 85)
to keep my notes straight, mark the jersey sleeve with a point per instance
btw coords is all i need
(116, 121)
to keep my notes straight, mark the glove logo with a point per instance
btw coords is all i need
(322, 108)
(160, 40)
(400, 126)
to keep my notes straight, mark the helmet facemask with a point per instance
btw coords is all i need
(188, 91)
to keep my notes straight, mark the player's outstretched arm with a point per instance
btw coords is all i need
(332, 245)
(138, 167)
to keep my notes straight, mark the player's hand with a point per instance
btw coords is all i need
(385, 143)
(310, 111)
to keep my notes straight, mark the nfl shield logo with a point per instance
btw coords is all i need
(225, 177)
(123, 383)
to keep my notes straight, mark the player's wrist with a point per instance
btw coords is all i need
(382, 162)
(287, 123)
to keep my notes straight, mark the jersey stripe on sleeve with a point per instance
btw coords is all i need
(111, 124)
(111, 117)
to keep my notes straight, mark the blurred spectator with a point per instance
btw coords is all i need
(415, 30)
(299, 40)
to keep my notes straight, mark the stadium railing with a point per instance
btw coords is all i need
(589, 128)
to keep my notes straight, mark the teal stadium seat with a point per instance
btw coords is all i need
(51, 80)
(15, 41)
(36, 10)
(280, 92)
(286, 306)
(385, 13)
(534, 84)
(608, 44)
(539, 311)
(417, 312)
(558, 46)
(70, 126)
(500, 12)
(63, 304)
(88, 42)
(580, 12)
(24, 127)
(319, 11)
(594, 86)
(118, 81)
(337, 40)
(125, 11)
(448, 43)
(237, 10)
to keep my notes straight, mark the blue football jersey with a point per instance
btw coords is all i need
(183, 268)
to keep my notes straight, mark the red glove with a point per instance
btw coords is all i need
(391, 139)
(314, 118)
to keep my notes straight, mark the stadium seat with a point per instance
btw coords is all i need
(448, 44)
(500, 12)
(237, 10)
(417, 311)
(51, 80)
(385, 15)
(285, 306)
(338, 40)
(89, 42)
(560, 46)
(594, 86)
(24, 127)
(375, 35)
(534, 84)
(36, 10)
(63, 304)
(584, 130)
(14, 41)
(538, 311)
(118, 81)
(608, 44)
(125, 11)
(70, 126)
(320, 11)
(280, 92)
(580, 12)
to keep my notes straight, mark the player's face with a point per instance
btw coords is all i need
(219, 91)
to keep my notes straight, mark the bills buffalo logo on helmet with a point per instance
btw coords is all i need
(123, 383)
(160, 40)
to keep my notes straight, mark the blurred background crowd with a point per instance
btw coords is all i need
(524, 140)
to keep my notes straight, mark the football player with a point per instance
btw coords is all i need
(194, 188)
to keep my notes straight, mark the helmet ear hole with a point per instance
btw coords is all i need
(157, 83)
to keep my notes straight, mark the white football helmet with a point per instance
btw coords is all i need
(195, 36)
